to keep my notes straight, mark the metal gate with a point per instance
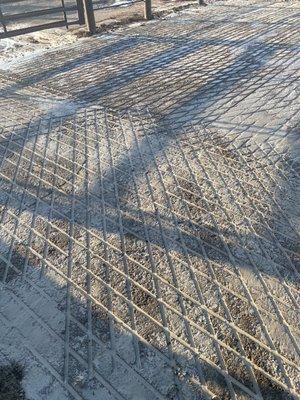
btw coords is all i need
(62, 14)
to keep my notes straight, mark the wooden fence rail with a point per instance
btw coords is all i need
(5, 18)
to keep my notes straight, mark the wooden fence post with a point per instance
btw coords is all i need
(148, 10)
(80, 10)
(89, 15)
(2, 21)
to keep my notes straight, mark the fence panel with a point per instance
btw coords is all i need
(58, 16)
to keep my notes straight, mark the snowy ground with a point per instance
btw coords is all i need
(150, 220)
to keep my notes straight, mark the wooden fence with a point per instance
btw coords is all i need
(83, 10)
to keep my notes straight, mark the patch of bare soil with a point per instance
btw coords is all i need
(11, 376)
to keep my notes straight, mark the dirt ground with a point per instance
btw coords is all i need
(107, 19)
(149, 209)
(11, 382)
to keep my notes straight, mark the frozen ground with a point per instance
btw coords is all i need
(150, 210)
(34, 44)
